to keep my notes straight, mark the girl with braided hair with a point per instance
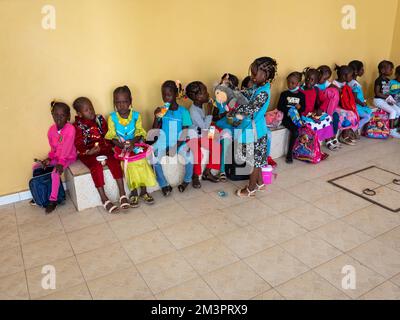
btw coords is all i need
(254, 135)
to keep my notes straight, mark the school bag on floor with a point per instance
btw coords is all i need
(235, 171)
(378, 126)
(307, 147)
(40, 187)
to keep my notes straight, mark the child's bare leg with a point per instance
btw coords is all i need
(102, 195)
(121, 188)
(252, 181)
(260, 180)
(143, 191)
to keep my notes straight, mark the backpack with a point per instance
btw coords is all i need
(378, 126)
(274, 118)
(307, 147)
(235, 171)
(347, 100)
(40, 187)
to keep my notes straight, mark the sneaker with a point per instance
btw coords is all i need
(166, 191)
(337, 143)
(148, 199)
(331, 146)
(134, 201)
(51, 207)
(394, 133)
(289, 160)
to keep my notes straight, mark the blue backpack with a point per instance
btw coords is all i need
(40, 187)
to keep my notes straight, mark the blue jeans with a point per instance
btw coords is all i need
(185, 152)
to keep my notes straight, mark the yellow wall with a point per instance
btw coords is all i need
(395, 56)
(99, 45)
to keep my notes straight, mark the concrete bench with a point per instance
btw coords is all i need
(84, 195)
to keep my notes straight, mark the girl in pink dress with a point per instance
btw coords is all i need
(61, 136)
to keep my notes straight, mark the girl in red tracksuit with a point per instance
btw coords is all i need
(90, 143)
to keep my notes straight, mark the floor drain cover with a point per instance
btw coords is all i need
(374, 184)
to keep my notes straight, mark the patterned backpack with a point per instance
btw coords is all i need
(274, 118)
(378, 126)
(307, 147)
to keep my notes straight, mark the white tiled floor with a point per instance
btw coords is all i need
(292, 242)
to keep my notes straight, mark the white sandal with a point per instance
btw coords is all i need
(260, 187)
(126, 205)
(250, 194)
(112, 210)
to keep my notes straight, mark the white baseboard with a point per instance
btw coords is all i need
(19, 196)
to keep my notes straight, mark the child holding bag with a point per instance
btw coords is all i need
(125, 130)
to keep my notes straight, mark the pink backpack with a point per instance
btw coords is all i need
(307, 147)
(274, 118)
(378, 126)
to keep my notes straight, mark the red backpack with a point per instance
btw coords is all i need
(347, 100)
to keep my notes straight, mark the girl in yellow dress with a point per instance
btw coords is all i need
(124, 130)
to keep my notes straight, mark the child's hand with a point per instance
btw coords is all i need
(94, 150)
(129, 146)
(210, 108)
(137, 139)
(45, 163)
(171, 152)
(157, 112)
(59, 169)
(298, 107)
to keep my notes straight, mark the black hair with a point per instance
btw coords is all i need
(245, 82)
(55, 105)
(267, 65)
(383, 64)
(123, 90)
(295, 74)
(193, 89)
(79, 102)
(175, 86)
(356, 65)
(324, 69)
(397, 71)
(309, 71)
(343, 70)
(233, 80)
